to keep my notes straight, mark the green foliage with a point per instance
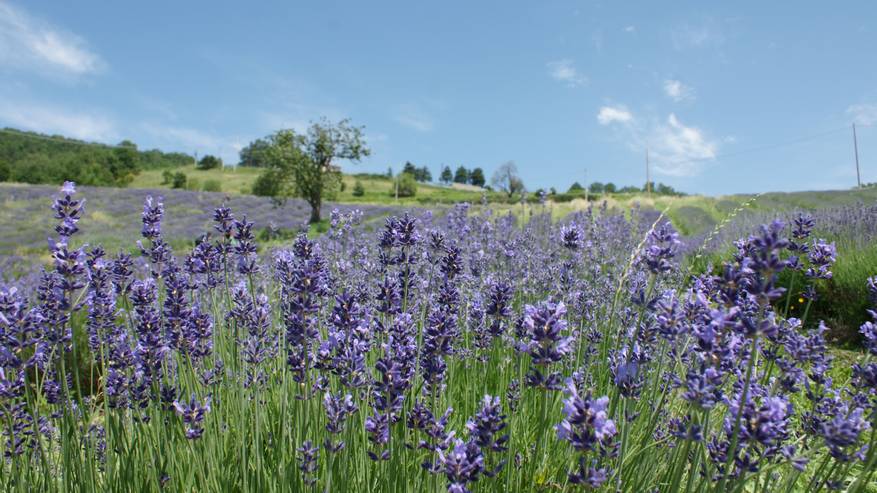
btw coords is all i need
(209, 162)
(304, 164)
(193, 184)
(358, 189)
(255, 154)
(267, 184)
(575, 187)
(476, 177)
(167, 177)
(447, 175)
(596, 187)
(405, 186)
(609, 187)
(212, 186)
(31, 157)
(461, 175)
(179, 180)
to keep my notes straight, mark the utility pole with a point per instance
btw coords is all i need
(648, 179)
(856, 151)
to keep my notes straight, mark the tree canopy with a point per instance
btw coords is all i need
(476, 177)
(303, 165)
(32, 157)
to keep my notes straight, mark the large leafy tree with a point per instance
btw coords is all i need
(461, 175)
(303, 165)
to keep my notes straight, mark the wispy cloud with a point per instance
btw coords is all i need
(614, 114)
(58, 120)
(680, 150)
(676, 149)
(414, 117)
(864, 114)
(565, 71)
(31, 43)
(706, 33)
(189, 139)
(677, 91)
(630, 29)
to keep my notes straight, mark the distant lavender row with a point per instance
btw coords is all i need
(856, 224)
(117, 211)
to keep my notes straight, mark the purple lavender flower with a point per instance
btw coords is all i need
(485, 427)
(544, 326)
(193, 414)
(663, 246)
(822, 255)
(308, 456)
(462, 464)
(587, 426)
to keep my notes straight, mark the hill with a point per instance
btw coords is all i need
(30, 157)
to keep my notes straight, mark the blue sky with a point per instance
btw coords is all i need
(727, 96)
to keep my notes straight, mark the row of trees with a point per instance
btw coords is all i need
(598, 187)
(32, 157)
(462, 176)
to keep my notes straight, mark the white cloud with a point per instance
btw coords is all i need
(680, 150)
(677, 91)
(614, 114)
(864, 114)
(629, 29)
(413, 116)
(675, 149)
(31, 43)
(565, 71)
(54, 120)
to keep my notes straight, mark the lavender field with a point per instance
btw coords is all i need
(467, 352)
(114, 216)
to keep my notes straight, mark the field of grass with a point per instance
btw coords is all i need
(377, 189)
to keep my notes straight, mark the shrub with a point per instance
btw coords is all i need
(405, 186)
(358, 189)
(179, 180)
(266, 185)
(167, 177)
(193, 184)
(212, 186)
(209, 162)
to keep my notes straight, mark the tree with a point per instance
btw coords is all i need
(422, 174)
(302, 164)
(461, 175)
(506, 179)
(575, 188)
(476, 177)
(253, 155)
(405, 185)
(209, 162)
(447, 176)
(596, 187)
(389, 171)
(358, 189)
(609, 188)
(409, 168)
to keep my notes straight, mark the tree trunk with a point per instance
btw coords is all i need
(315, 213)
